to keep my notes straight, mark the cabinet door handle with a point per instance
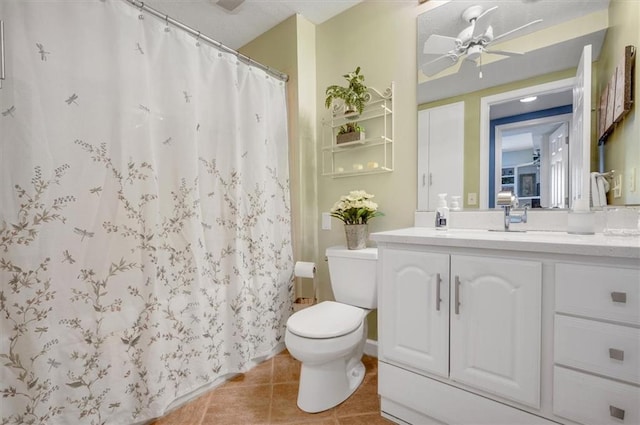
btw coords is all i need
(1, 52)
(616, 354)
(438, 281)
(619, 297)
(430, 179)
(457, 296)
(616, 412)
(424, 179)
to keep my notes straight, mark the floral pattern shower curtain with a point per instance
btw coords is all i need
(145, 243)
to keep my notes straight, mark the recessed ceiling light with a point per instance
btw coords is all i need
(528, 99)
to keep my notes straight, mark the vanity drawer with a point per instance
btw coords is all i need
(603, 348)
(598, 292)
(592, 400)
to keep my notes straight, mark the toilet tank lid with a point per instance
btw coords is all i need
(343, 251)
(329, 319)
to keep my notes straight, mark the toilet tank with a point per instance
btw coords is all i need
(353, 275)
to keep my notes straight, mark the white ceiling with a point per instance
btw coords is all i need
(557, 55)
(252, 18)
(527, 136)
(546, 101)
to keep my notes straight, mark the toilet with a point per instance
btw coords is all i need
(328, 338)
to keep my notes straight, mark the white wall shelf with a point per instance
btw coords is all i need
(371, 155)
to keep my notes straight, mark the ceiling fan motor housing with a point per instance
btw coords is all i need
(474, 52)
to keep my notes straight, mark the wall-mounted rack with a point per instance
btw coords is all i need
(372, 154)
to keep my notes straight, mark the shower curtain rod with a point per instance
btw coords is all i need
(246, 59)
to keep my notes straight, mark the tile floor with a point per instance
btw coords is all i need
(267, 395)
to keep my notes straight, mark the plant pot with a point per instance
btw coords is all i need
(350, 137)
(357, 235)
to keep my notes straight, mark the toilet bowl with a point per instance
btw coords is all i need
(329, 338)
(332, 366)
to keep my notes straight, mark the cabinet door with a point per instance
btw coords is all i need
(495, 328)
(414, 324)
(440, 153)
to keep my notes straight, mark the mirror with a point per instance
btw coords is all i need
(452, 75)
(529, 145)
(532, 161)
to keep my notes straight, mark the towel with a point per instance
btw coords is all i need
(603, 188)
(599, 189)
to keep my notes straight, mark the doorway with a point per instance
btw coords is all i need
(505, 105)
(530, 157)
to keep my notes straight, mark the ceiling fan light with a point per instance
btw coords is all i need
(528, 99)
(229, 5)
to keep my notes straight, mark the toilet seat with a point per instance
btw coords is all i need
(329, 319)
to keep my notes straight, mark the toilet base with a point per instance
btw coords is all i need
(326, 385)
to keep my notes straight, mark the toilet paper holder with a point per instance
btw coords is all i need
(305, 270)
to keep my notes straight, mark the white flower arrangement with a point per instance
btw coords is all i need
(355, 208)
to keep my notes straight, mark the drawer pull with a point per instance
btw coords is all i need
(438, 299)
(616, 354)
(616, 412)
(619, 297)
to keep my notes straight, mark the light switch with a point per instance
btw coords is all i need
(326, 221)
(617, 186)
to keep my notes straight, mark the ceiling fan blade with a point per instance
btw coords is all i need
(433, 67)
(503, 53)
(537, 21)
(440, 44)
(483, 22)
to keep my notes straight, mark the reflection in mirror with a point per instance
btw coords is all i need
(504, 115)
(529, 150)
(549, 46)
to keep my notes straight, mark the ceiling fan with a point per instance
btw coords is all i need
(470, 43)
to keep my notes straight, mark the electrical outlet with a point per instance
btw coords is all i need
(617, 186)
(472, 198)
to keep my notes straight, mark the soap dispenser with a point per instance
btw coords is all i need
(442, 212)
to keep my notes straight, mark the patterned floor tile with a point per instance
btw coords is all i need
(267, 395)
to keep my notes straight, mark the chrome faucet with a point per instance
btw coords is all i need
(509, 201)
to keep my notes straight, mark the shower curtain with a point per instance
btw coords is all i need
(145, 242)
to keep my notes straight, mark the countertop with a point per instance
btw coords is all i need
(531, 241)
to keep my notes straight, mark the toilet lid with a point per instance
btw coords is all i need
(328, 319)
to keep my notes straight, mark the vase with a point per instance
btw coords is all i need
(356, 235)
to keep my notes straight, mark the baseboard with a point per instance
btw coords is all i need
(371, 348)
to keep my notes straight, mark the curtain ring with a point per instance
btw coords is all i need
(198, 39)
(141, 16)
(166, 22)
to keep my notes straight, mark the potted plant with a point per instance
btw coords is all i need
(354, 97)
(355, 210)
(350, 132)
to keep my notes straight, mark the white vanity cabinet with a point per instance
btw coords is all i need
(415, 301)
(493, 328)
(473, 319)
(495, 325)
(597, 344)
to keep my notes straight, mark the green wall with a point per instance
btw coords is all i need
(622, 148)
(380, 38)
